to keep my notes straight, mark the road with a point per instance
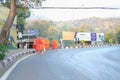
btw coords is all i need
(71, 64)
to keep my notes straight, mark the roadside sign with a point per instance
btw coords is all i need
(68, 36)
(83, 36)
(35, 32)
(93, 36)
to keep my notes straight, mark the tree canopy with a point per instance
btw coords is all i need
(13, 4)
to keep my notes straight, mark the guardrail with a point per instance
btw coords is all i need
(11, 58)
(91, 46)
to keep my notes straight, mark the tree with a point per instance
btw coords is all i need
(12, 13)
(118, 36)
(118, 33)
(21, 16)
(84, 27)
(6, 28)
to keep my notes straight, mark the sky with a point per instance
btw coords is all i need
(73, 14)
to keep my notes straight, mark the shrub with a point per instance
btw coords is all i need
(2, 56)
(3, 49)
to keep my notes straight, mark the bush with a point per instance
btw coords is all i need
(118, 36)
(2, 56)
(3, 49)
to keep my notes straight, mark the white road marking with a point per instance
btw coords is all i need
(6, 74)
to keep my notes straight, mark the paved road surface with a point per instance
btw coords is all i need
(71, 64)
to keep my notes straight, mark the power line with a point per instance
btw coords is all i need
(39, 7)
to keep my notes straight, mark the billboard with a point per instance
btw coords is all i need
(79, 36)
(35, 32)
(100, 36)
(83, 36)
(68, 35)
(93, 37)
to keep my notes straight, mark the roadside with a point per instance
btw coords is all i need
(11, 57)
(14, 55)
(13, 51)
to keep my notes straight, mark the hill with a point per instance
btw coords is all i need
(93, 24)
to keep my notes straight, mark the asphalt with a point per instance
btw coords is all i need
(9, 54)
(70, 64)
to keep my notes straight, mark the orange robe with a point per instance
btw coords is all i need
(36, 44)
(45, 44)
(54, 44)
(41, 45)
(48, 44)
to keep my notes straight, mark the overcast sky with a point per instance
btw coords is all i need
(72, 14)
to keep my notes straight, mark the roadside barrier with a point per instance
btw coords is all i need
(15, 56)
(91, 46)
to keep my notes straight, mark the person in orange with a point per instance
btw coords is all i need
(36, 44)
(45, 44)
(48, 44)
(54, 44)
(41, 45)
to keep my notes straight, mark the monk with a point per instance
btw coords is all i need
(54, 44)
(36, 44)
(41, 45)
(48, 44)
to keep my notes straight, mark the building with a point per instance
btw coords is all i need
(26, 39)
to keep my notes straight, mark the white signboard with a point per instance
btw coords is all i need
(83, 36)
(87, 36)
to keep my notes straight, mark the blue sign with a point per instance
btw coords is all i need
(93, 36)
(35, 32)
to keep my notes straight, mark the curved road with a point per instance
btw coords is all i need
(70, 64)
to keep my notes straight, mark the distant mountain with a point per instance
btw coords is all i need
(98, 24)
(93, 24)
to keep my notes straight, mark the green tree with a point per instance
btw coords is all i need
(21, 11)
(118, 36)
(6, 28)
(12, 13)
(118, 33)
(110, 35)
(84, 27)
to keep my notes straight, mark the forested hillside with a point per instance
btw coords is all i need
(93, 24)
(50, 29)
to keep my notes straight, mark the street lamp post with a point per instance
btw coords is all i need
(61, 43)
